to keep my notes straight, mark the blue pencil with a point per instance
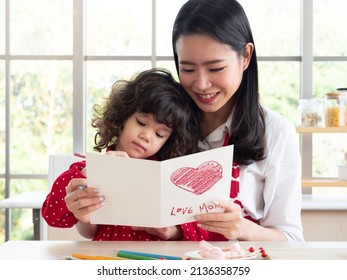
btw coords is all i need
(158, 256)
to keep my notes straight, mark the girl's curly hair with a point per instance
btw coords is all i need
(154, 92)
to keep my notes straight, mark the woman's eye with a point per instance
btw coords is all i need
(159, 135)
(217, 69)
(186, 70)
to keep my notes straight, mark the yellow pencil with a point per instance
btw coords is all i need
(87, 257)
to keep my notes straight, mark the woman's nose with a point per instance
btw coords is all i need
(202, 82)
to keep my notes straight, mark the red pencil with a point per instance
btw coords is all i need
(79, 155)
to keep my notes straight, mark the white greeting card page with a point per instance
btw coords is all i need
(150, 193)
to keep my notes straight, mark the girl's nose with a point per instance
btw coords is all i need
(145, 135)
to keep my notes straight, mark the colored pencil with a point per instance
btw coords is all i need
(158, 256)
(134, 257)
(79, 155)
(87, 257)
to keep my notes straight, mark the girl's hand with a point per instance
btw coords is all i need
(81, 202)
(167, 233)
(230, 223)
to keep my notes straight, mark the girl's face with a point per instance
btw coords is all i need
(209, 71)
(142, 136)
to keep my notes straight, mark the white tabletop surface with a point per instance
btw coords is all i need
(32, 200)
(57, 250)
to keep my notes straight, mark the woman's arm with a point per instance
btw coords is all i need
(271, 192)
(232, 225)
(87, 229)
(282, 190)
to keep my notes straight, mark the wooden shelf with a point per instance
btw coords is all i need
(302, 129)
(323, 182)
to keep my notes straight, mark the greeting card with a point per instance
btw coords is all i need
(149, 193)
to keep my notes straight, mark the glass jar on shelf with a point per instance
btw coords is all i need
(311, 112)
(335, 109)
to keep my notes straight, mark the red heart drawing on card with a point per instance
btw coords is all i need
(198, 180)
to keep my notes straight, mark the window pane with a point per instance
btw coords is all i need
(101, 75)
(329, 190)
(2, 188)
(22, 219)
(2, 27)
(329, 32)
(275, 25)
(328, 76)
(22, 225)
(169, 65)
(2, 212)
(2, 225)
(166, 14)
(2, 117)
(19, 186)
(279, 86)
(41, 113)
(43, 30)
(327, 154)
(119, 27)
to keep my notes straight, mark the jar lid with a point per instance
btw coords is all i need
(333, 95)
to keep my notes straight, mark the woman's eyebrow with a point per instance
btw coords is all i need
(185, 62)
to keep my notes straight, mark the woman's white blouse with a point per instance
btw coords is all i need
(270, 189)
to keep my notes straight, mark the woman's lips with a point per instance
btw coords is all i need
(206, 98)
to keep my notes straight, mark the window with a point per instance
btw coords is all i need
(329, 72)
(56, 62)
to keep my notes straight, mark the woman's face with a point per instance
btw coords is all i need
(209, 71)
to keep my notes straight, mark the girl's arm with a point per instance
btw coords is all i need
(54, 209)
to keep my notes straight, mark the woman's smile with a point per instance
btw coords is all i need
(207, 98)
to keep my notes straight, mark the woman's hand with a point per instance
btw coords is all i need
(167, 233)
(233, 225)
(81, 202)
(229, 223)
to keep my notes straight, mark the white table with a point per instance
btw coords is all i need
(57, 250)
(32, 200)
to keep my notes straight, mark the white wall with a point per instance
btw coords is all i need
(325, 225)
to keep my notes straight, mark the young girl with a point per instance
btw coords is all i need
(148, 117)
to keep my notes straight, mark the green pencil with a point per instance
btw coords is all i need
(134, 257)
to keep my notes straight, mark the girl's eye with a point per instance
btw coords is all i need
(140, 122)
(159, 135)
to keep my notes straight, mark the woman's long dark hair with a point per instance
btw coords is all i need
(154, 92)
(226, 22)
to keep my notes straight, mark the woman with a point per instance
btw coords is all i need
(216, 61)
